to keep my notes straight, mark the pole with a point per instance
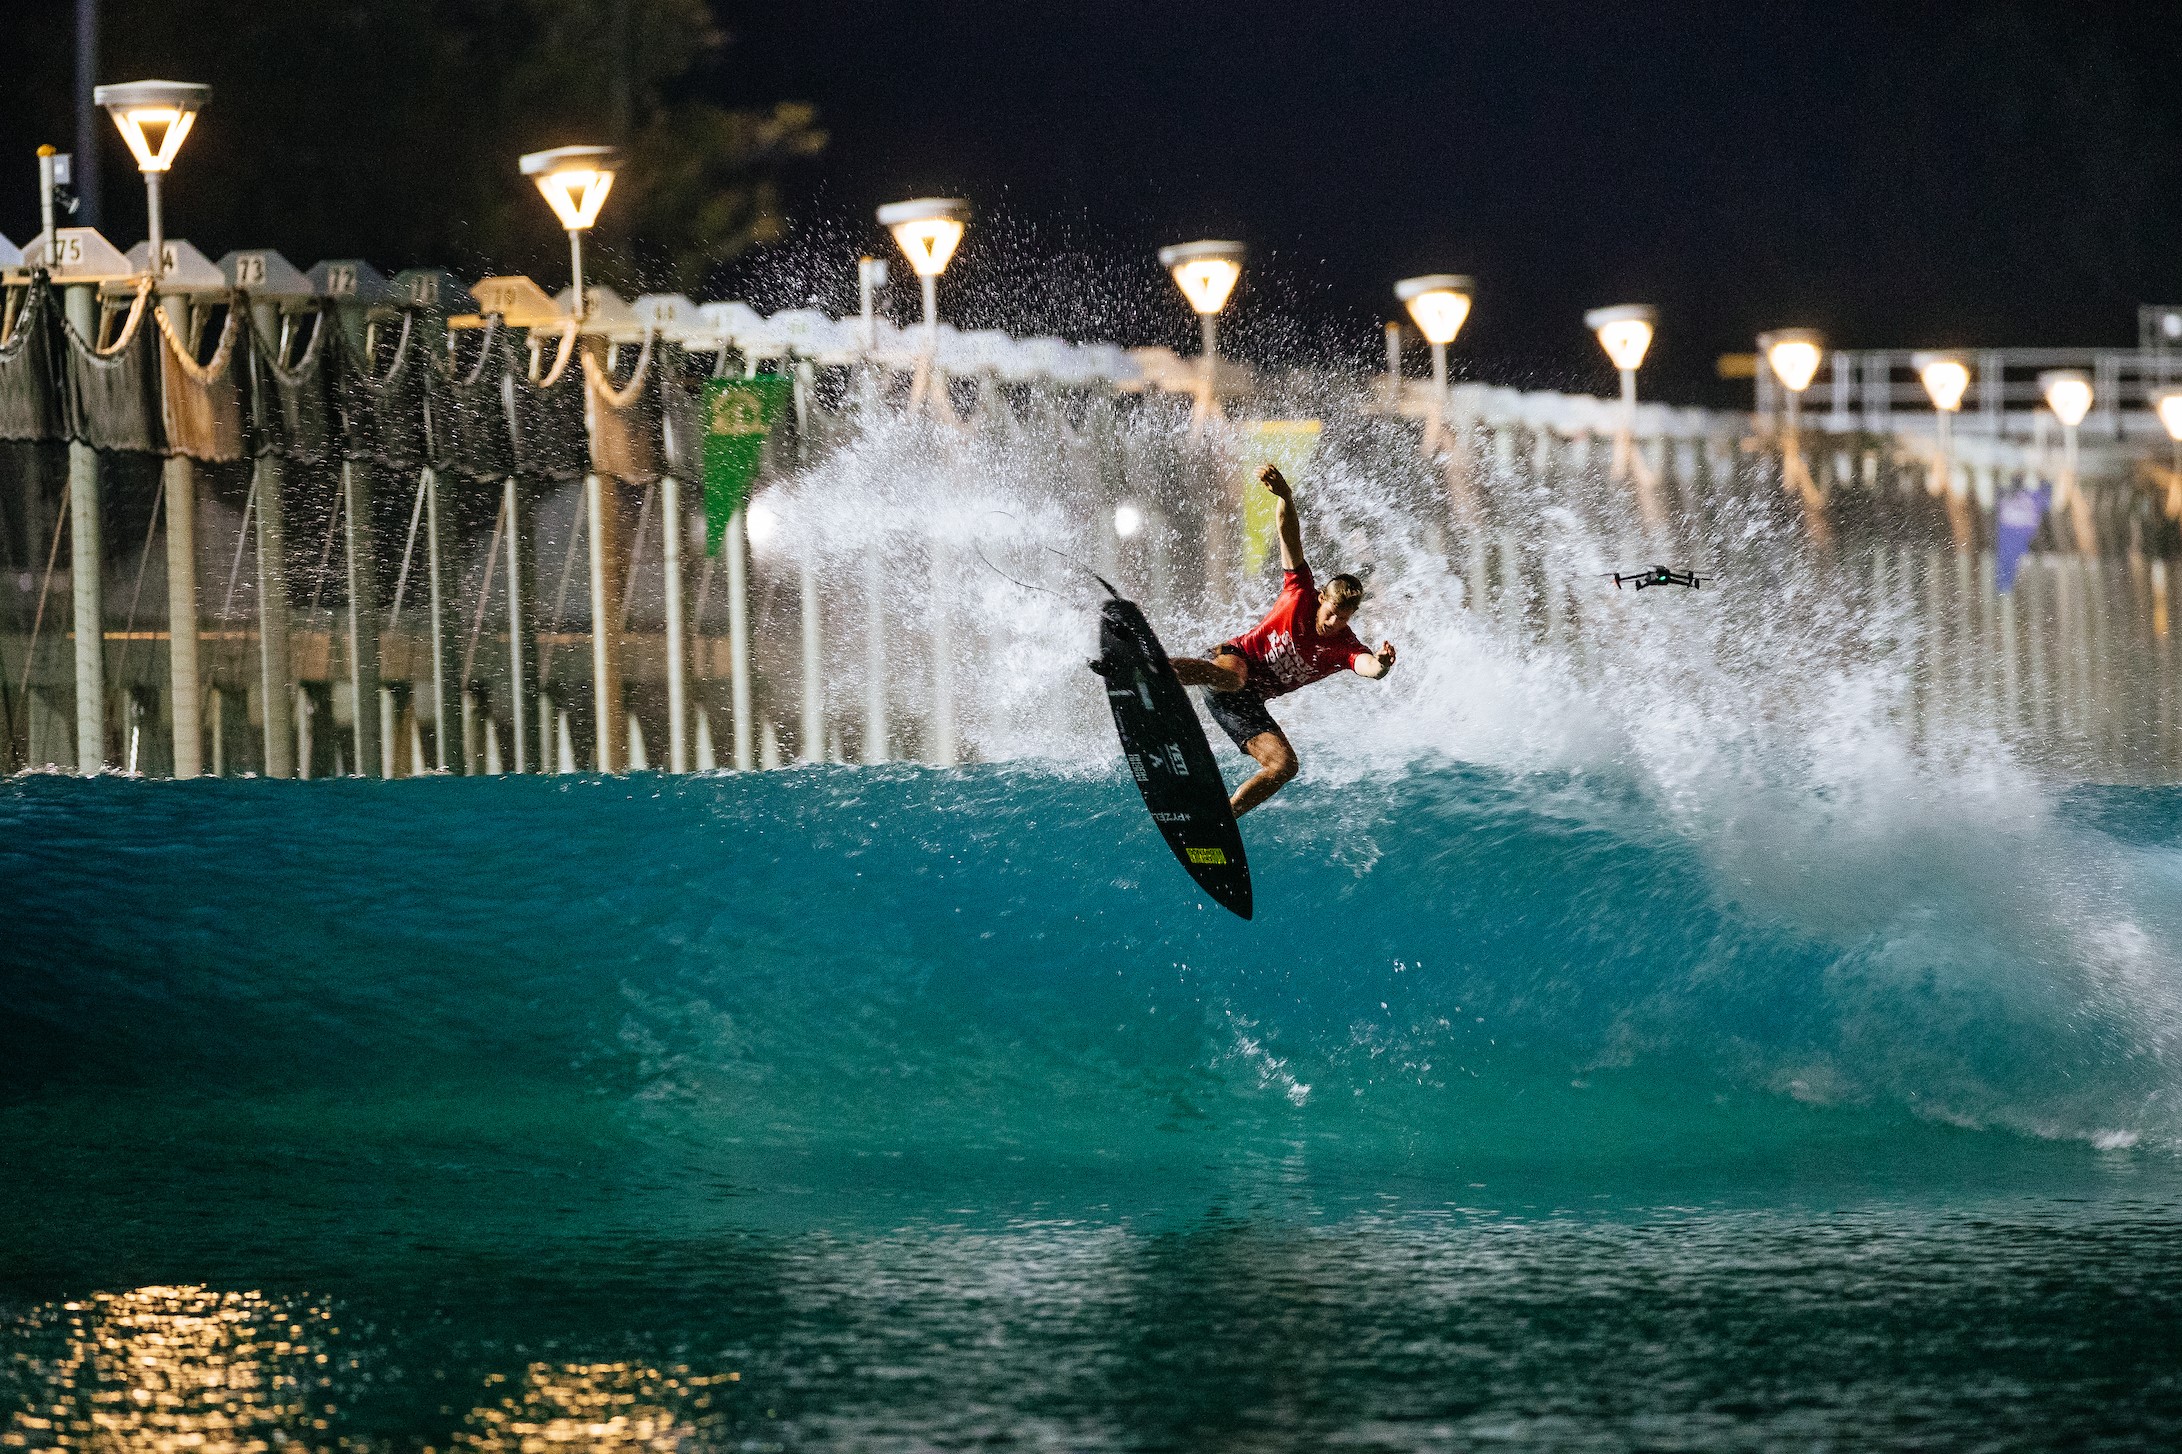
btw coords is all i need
(864, 289)
(46, 184)
(943, 749)
(607, 714)
(155, 251)
(575, 272)
(1439, 398)
(84, 565)
(363, 611)
(1625, 439)
(518, 700)
(439, 625)
(670, 562)
(184, 673)
(874, 656)
(814, 687)
(274, 667)
(86, 162)
(738, 637)
(1208, 371)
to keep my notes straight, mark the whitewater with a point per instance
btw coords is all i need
(1663, 1025)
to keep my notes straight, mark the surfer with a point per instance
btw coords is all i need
(1304, 638)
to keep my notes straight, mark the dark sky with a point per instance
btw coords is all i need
(1907, 174)
(1897, 174)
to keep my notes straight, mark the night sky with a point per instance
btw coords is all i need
(1905, 175)
(1923, 174)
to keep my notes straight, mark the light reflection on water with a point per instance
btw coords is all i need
(1872, 1327)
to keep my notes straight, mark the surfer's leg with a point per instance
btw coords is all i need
(1224, 673)
(1276, 765)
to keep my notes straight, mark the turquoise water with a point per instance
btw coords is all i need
(894, 1108)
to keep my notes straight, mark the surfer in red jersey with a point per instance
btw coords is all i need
(1304, 638)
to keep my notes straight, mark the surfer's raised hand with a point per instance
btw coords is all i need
(1274, 481)
(1378, 664)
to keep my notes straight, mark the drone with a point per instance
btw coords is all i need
(1659, 575)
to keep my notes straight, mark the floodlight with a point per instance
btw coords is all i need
(761, 522)
(1794, 354)
(575, 181)
(927, 230)
(166, 108)
(1204, 271)
(1946, 378)
(2067, 393)
(2168, 404)
(1439, 303)
(1625, 332)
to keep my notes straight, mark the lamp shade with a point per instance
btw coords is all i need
(154, 117)
(575, 181)
(1625, 332)
(2168, 405)
(1793, 354)
(2067, 393)
(927, 230)
(1204, 271)
(1945, 376)
(1438, 303)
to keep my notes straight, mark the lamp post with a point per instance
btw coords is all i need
(870, 278)
(1206, 274)
(927, 230)
(575, 181)
(154, 118)
(1793, 355)
(2168, 405)
(1625, 332)
(2068, 394)
(1439, 304)
(1946, 378)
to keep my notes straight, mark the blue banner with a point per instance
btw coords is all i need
(2015, 522)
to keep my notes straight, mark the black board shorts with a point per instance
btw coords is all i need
(1241, 715)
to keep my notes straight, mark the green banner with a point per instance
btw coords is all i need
(739, 413)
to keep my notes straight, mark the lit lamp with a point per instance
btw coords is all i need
(2168, 405)
(1129, 519)
(1946, 379)
(1625, 332)
(2068, 394)
(927, 230)
(1793, 355)
(1206, 274)
(1439, 304)
(154, 118)
(575, 181)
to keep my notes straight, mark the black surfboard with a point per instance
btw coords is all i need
(1169, 757)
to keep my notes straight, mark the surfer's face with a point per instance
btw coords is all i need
(1332, 616)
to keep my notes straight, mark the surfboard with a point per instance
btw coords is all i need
(1168, 756)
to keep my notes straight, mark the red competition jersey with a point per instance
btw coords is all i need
(1285, 651)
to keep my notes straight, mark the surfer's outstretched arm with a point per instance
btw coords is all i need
(1284, 515)
(1377, 664)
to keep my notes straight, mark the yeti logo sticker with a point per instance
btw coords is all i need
(1174, 759)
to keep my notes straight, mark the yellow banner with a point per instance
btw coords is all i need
(1287, 443)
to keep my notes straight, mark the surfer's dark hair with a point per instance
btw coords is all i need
(1344, 590)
